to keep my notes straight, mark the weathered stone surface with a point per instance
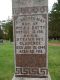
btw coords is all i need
(30, 37)
(49, 78)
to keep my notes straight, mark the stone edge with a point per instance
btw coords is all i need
(23, 78)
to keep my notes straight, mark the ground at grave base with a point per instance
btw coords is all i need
(14, 78)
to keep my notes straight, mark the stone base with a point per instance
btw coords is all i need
(21, 78)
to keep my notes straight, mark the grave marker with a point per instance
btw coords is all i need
(30, 18)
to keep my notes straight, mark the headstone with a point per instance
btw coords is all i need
(1, 40)
(30, 20)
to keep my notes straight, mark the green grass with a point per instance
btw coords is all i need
(54, 62)
(7, 61)
(54, 41)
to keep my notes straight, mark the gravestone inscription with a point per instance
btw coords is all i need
(30, 37)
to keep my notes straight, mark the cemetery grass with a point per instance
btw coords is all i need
(54, 60)
(7, 61)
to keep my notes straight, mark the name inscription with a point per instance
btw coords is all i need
(30, 34)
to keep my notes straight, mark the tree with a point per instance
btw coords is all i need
(59, 1)
(8, 29)
(1, 34)
(54, 21)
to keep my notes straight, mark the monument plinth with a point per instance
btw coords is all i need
(30, 19)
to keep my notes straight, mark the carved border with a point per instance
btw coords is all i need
(31, 72)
